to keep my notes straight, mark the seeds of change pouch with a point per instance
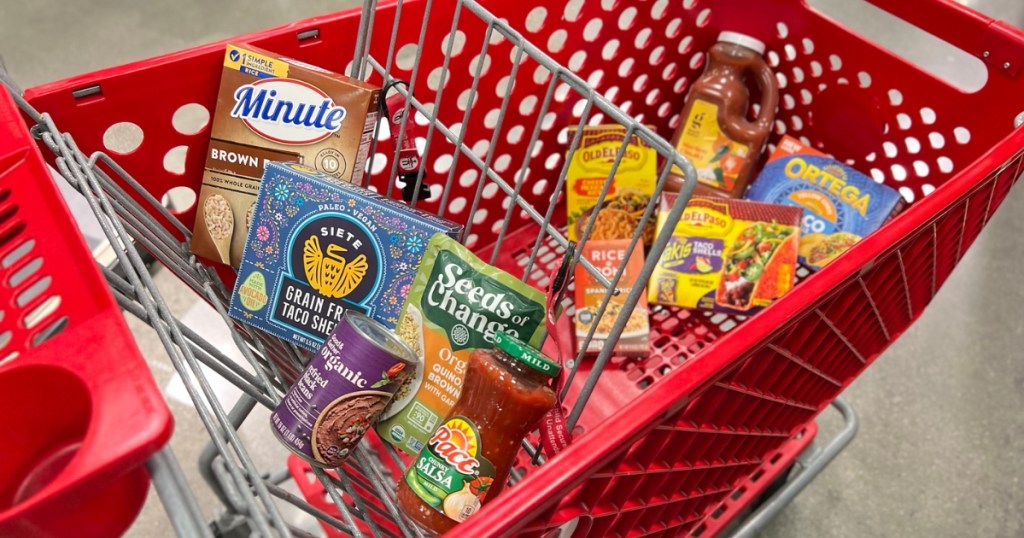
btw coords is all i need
(456, 304)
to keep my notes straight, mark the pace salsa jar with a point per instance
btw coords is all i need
(467, 460)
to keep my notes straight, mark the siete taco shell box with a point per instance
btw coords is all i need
(319, 246)
(726, 255)
(272, 108)
(840, 204)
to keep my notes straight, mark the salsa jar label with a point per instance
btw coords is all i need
(451, 474)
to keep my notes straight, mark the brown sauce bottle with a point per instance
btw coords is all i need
(715, 133)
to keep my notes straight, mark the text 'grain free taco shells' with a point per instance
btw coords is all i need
(456, 304)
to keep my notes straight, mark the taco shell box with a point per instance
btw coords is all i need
(606, 257)
(319, 246)
(629, 194)
(840, 204)
(726, 255)
(272, 108)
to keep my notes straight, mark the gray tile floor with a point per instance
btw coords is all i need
(942, 438)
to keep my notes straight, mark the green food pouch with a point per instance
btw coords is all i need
(455, 305)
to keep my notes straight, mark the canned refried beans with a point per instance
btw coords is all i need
(342, 391)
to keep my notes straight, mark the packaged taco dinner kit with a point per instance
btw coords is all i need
(727, 255)
(630, 192)
(319, 246)
(272, 108)
(840, 204)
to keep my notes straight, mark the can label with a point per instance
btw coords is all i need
(340, 394)
(451, 474)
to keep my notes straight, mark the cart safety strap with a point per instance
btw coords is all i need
(409, 159)
(554, 433)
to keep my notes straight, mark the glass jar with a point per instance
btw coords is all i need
(466, 461)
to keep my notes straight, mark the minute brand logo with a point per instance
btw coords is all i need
(287, 111)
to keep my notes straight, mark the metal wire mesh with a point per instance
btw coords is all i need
(129, 216)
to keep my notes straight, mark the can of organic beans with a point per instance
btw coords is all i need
(342, 391)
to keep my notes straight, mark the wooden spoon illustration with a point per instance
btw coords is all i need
(220, 223)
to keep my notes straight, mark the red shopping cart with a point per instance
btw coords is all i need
(81, 414)
(670, 445)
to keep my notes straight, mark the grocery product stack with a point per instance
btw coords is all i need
(438, 351)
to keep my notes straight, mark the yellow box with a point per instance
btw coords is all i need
(726, 255)
(634, 181)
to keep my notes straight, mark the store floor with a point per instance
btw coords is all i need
(941, 446)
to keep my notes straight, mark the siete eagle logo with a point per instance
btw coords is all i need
(329, 272)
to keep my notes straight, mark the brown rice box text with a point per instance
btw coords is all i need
(272, 108)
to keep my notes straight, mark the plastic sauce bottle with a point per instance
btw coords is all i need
(715, 133)
(467, 460)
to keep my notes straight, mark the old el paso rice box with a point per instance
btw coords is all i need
(319, 246)
(271, 108)
(840, 204)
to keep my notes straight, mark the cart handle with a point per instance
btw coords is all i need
(995, 42)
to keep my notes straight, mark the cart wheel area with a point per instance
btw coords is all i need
(661, 442)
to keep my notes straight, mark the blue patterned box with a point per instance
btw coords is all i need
(318, 247)
(840, 204)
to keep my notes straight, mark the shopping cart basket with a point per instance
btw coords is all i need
(665, 443)
(80, 413)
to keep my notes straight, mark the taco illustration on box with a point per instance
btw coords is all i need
(752, 264)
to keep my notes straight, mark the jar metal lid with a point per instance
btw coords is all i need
(526, 354)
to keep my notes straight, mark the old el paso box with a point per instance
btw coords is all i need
(840, 204)
(319, 246)
(727, 255)
(271, 108)
(628, 195)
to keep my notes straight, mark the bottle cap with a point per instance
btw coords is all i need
(742, 40)
(525, 354)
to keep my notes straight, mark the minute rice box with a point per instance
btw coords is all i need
(319, 246)
(273, 108)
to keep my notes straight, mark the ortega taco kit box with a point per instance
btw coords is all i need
(840, 204)
(271, 108)
(727, 255)
(319, 246)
